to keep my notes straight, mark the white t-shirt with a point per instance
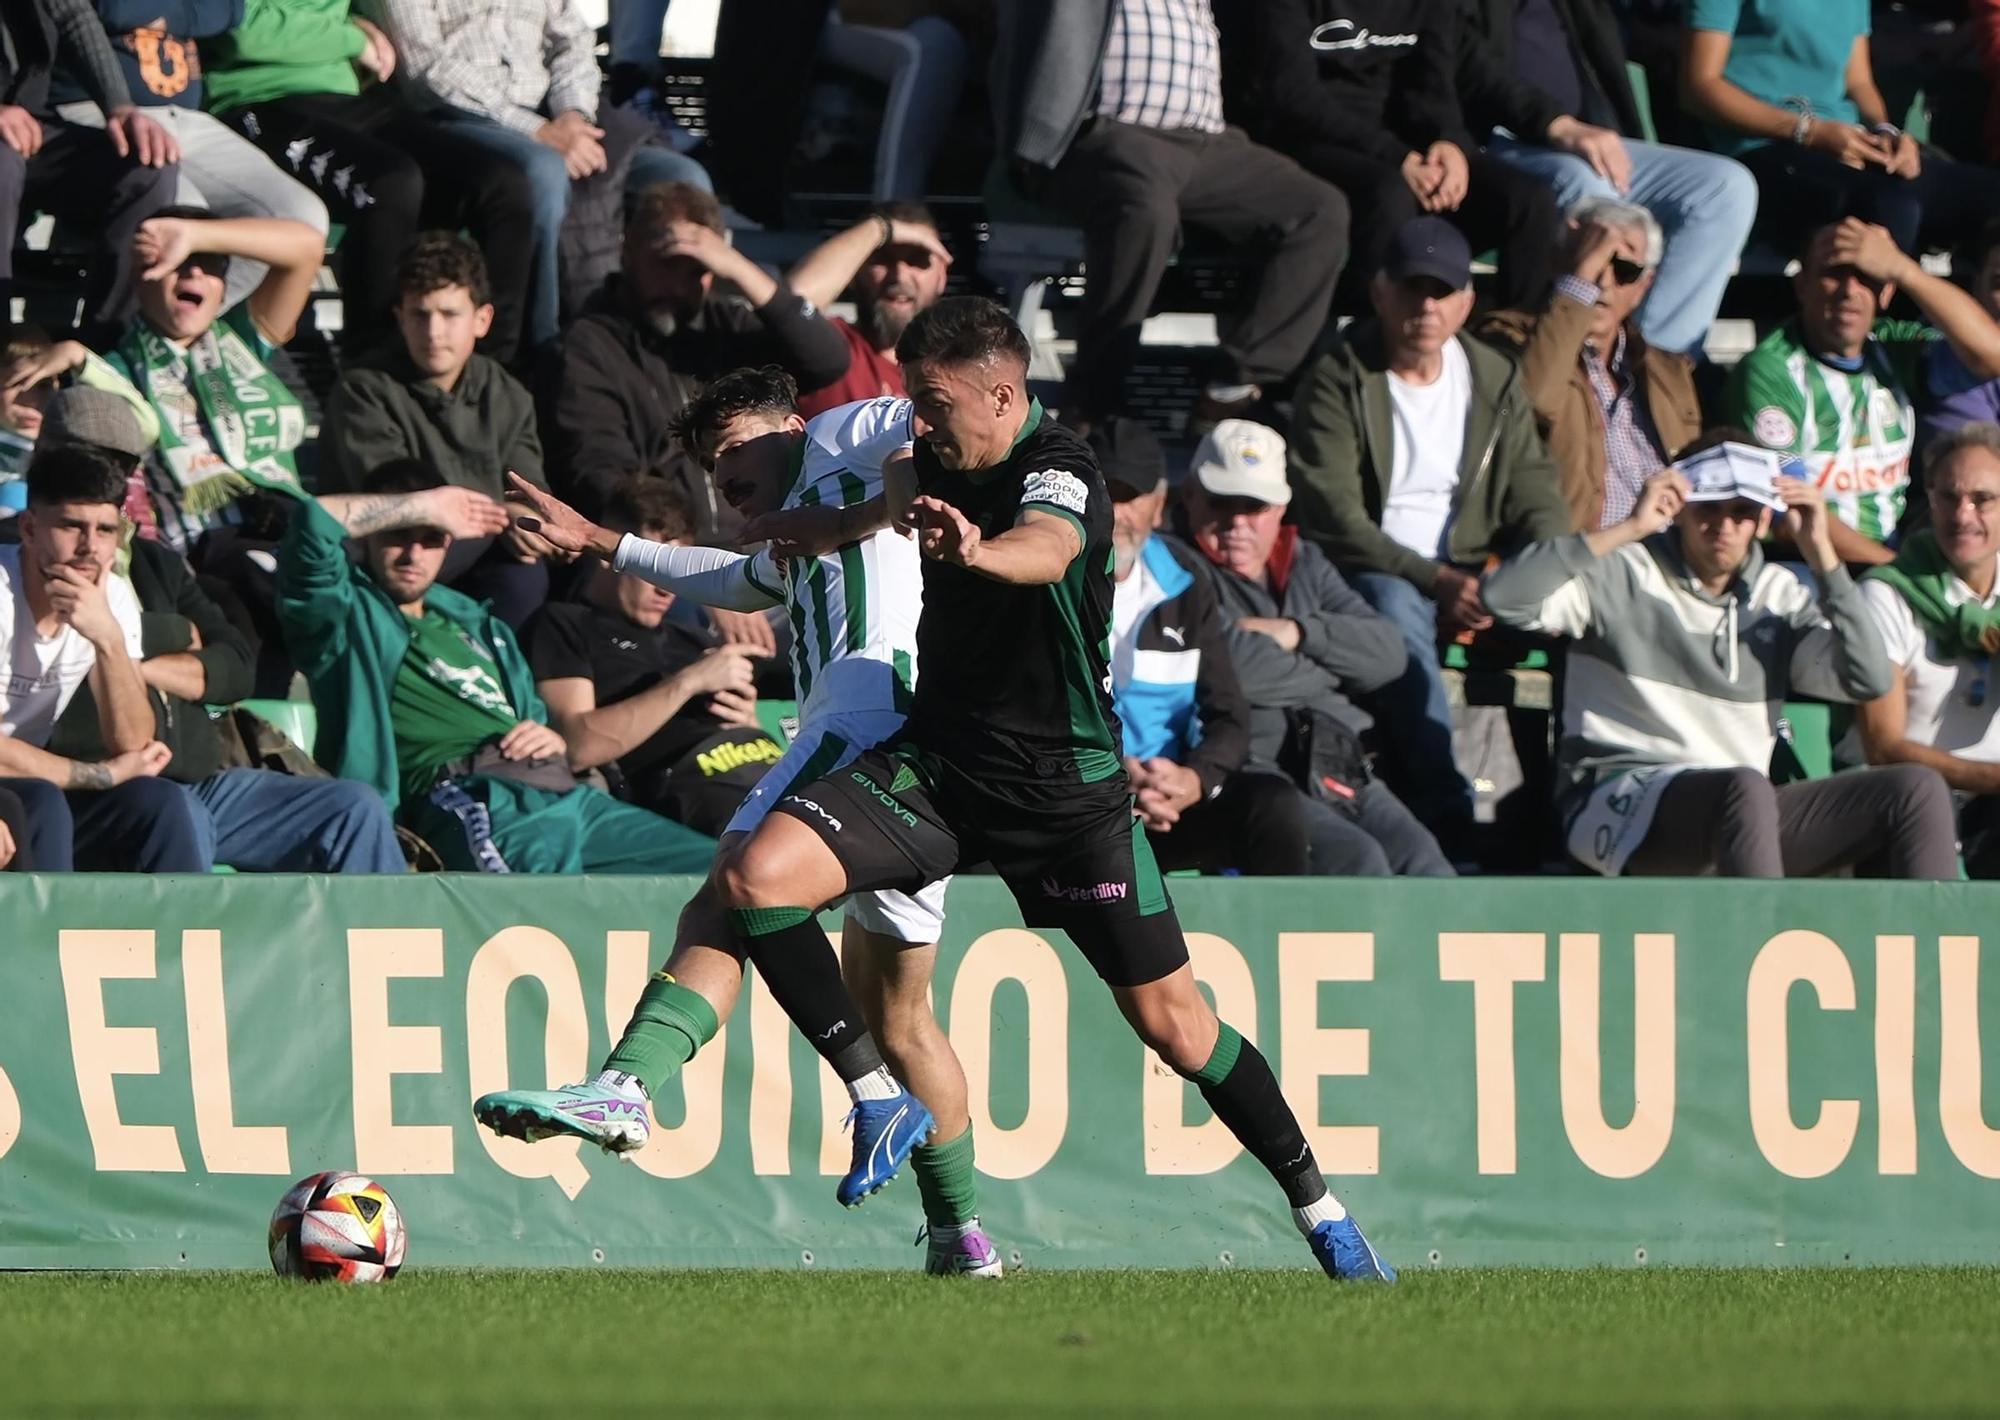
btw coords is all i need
(1131, 599)
(42, 675)
(1429, 424)
(1939, 693)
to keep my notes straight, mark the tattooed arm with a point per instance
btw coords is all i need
(21, 760)
(462, 512)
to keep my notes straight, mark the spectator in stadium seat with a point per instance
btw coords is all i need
(1687, 644)
(34, 372)
(289, 78)
(158, 43)
(425, 694)
(435, 399)
(1544, 82)
(1414, 460)
(1955, 395)
(252, 819)
(665, 709)
(1613, 408)
(1303, 643)
(1183, 717)
(520, 78)
(1938, 609)
(67, 619)
(894, 264)
(1787, 87)
(1837, 384)
(110, 179)
(1364, 94)
(654, 335)
(1111, 110)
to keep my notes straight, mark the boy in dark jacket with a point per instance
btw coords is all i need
(438, 401)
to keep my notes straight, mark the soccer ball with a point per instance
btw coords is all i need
(337, 1227)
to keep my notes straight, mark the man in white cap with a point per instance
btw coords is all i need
(1688, 643)
(1304, 644)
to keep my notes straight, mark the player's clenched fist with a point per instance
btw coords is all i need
(943, 532)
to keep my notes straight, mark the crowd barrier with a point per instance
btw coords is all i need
(1529, 1071)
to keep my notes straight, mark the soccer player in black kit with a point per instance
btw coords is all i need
(1010, 755)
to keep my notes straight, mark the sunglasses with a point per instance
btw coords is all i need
(1625, 271)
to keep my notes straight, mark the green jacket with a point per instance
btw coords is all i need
(1343, 451)
(348, 639)
(472, 436)
(283, 47)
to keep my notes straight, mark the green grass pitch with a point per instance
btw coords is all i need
(1475, 1342)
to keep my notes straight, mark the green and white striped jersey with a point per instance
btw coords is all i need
(854, 611)
(1853, 429)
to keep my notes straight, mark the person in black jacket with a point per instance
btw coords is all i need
(1183, 716)
(111, 179)
(1363, 93)
(657, 332)
(1544, 85)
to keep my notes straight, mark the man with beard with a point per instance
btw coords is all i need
(894, 265)
(654, 335)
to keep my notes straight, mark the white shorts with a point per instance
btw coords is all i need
(828, 743)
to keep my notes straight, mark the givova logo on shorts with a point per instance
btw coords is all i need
(888, 801)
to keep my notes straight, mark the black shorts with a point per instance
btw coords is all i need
(1073, 855)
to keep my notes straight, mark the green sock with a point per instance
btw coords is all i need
(946, 1180)
(1221, 1060)
(669, 1025)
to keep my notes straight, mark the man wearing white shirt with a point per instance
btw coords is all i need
(1938, 608)
(64, 620)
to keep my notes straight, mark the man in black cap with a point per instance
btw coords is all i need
(1185, 723)
(1416, 462)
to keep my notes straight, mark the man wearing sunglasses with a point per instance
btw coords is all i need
(1612, 406)
(1687, 644)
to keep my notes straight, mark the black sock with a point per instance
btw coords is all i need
(797, 963)
(1238, 1084)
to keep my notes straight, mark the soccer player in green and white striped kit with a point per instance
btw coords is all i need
(1835, 384)
(854, 612)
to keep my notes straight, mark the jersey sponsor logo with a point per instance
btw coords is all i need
(1084, 892)
(835, 824)
(1056, 486)
(1846, 475)
(1774, 428)
(887, 800)
(724, 758)
(1345, 34)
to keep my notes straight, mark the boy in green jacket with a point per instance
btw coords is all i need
(425, 694)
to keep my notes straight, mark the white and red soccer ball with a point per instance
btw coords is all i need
(337, 1227)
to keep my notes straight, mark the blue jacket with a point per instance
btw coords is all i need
(1173, 682)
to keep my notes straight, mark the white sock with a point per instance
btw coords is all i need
(877, 1084)
(618, 1082)
(1326, 1210)
(1231, 394)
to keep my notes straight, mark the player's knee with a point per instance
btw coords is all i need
(1182, 1034)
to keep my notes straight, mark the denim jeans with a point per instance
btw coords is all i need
(266, 822)
(1704, 204)
(1412, 712)
(140, 826)
(923, 64)
(1384, 840)
(549, 181)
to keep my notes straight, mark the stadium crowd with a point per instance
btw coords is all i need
(1393, 477)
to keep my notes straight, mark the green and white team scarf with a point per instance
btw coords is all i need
(1854, 431)
(251, 420)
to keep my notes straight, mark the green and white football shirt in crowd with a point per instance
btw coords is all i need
(1853, 429)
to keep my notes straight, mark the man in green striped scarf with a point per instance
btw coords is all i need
(1834, 384)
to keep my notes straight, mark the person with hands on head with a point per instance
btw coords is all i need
(894, 264)
(109, 179)
(1611, 405)
(1836, 385)
(1787, 87)
(1415, 459)
(1687, 644)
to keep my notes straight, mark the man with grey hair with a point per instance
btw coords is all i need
(1613, 408)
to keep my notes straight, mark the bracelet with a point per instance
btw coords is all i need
(888, 231)
(1886, 130)
(1801, 126)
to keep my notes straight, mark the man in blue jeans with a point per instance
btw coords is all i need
(1415, 461)
(520, 77)
(122, 769)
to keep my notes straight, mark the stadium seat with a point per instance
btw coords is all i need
(1805, 743)
(298, 720)
(780, 718)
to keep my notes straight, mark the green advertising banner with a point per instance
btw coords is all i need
(1526, 1071)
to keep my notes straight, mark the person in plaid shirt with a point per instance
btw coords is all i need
(520, 78)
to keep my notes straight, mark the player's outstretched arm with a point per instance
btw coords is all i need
(1036, 551)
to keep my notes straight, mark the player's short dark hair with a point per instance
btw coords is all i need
(402, 476)
(763, 389)
(904, 210)
(22, 342)
(651, 211)
(963, 330)
(76, 473)
(646, 504)
(435, 260)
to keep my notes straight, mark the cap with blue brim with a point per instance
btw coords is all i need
(1729, 471)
